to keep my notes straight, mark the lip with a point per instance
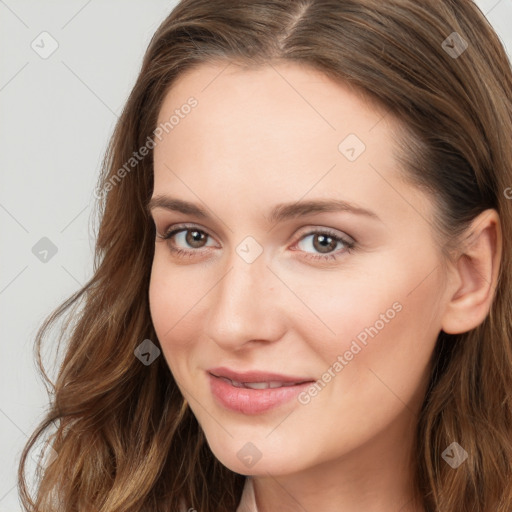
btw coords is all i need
(254, 401)
(256, 376)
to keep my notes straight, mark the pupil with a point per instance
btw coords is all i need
(195, 236)
(324, 241)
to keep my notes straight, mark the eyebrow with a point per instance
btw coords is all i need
(279, 212)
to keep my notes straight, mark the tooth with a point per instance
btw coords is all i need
(259, 385)
(256, 385)
(235, 383)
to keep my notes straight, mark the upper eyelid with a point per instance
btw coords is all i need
(306, 231)
(178, 228)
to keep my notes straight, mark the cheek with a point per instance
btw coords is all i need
(376, 368)
(171, 301)
(174, 294)
(380, 329)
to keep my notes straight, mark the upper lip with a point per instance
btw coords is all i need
(256, 376)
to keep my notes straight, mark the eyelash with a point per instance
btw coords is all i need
(349, 245)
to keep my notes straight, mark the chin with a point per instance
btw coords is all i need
(254, 458)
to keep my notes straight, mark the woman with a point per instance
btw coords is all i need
(302, 289)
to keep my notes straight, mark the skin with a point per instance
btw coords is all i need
(270, 135)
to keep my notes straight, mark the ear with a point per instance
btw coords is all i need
(476, 272)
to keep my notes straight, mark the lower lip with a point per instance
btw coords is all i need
(252, 401)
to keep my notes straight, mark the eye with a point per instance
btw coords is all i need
(325, 242)
(186, 241)
(190, 236)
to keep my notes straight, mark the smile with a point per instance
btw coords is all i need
(260, 385)
(254, 392)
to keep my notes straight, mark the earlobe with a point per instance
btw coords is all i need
(477, 269)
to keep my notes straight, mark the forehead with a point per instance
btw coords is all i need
(277, 115)
(282, 127)
(291, 91)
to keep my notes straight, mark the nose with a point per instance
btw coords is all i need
(247, 305)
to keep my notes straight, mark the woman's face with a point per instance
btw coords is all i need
(300, 318)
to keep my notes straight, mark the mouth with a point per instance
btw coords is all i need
(273, 384)
(254, 392)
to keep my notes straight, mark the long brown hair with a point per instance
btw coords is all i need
(124, 438)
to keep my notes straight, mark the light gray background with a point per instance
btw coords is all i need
(56, 117)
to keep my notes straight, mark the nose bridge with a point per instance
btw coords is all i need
(244, 303)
